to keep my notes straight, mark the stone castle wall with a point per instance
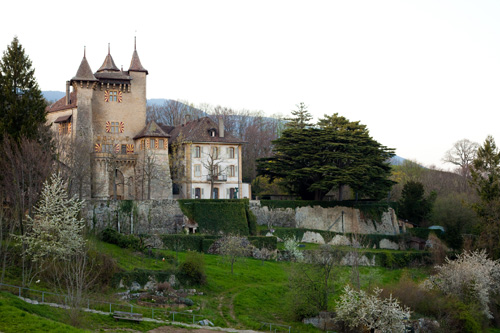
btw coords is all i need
(135, 217)
(166, 217)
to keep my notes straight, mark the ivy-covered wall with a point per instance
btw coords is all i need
(215, 217)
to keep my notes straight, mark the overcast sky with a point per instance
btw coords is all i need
(420, 74)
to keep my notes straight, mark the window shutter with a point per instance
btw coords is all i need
(117, 149)
(108, 127)
(122, 127)
(97, 148)
(130, 149)
(120, 97)
(192, 192)
(106, 95)
(202, 192)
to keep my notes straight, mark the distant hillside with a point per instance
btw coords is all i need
(396, 160)
(53, 96)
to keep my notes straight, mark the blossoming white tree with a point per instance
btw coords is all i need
(472, 277)
(55, 233)
(357, 308)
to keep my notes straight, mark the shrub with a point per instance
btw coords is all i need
(452, 314)
(192, 270)
(357, 308)
(112, 236)
(472, 277)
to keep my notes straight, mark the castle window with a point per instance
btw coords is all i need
(161, 144)
(197, 152)
(107, 148)
(124, 149)
(113, 96)
(232, 171)
(231, 152)
(142, 144)
(215, 153)
(151, 143)
(64, 124)
(114, 127)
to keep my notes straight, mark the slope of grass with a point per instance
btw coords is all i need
(257, 290)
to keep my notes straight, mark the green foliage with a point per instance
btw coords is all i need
(201, 243)
(124, 241)
(260, 242)
(424, 232)
(485, 173)
(218, 216)
(22, 106)
(300, 119)
(181, 242)
(126, 206)
(252, 221)
(413, 206)
(456, 216)
(401, 259)
(140, 276)
(192, 270)
(313, 160)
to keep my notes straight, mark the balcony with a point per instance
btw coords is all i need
(217, 178)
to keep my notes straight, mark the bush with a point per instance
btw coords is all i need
(449, 311)
(356, 308)
(192, 270)
(472, 277)
(181, 242)
(112, 236)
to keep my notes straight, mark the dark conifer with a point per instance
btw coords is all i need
(22, 106)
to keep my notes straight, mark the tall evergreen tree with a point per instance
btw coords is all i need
(485, 178)
(300, 119)
(22, 106)
(312, 161)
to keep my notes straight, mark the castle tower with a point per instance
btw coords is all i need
(83, 84)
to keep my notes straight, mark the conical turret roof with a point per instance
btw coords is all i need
(135, 64)
(84, 72)
(108, 64)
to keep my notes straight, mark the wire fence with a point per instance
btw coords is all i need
(103, 306)
(276, 327)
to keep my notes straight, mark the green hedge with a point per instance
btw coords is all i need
(393, 259)
(202, 243)
(371, 209)
(218, 216)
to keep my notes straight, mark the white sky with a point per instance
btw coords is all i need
(420, 74)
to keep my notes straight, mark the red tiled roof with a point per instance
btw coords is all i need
(61, 104)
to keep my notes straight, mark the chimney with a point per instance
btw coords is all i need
(221, 127)
(67, 93)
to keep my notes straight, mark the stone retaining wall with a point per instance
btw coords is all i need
(337, 219)
(135, 217)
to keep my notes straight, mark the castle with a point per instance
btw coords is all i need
(105, 117)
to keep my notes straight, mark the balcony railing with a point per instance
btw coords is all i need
(217, 178)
